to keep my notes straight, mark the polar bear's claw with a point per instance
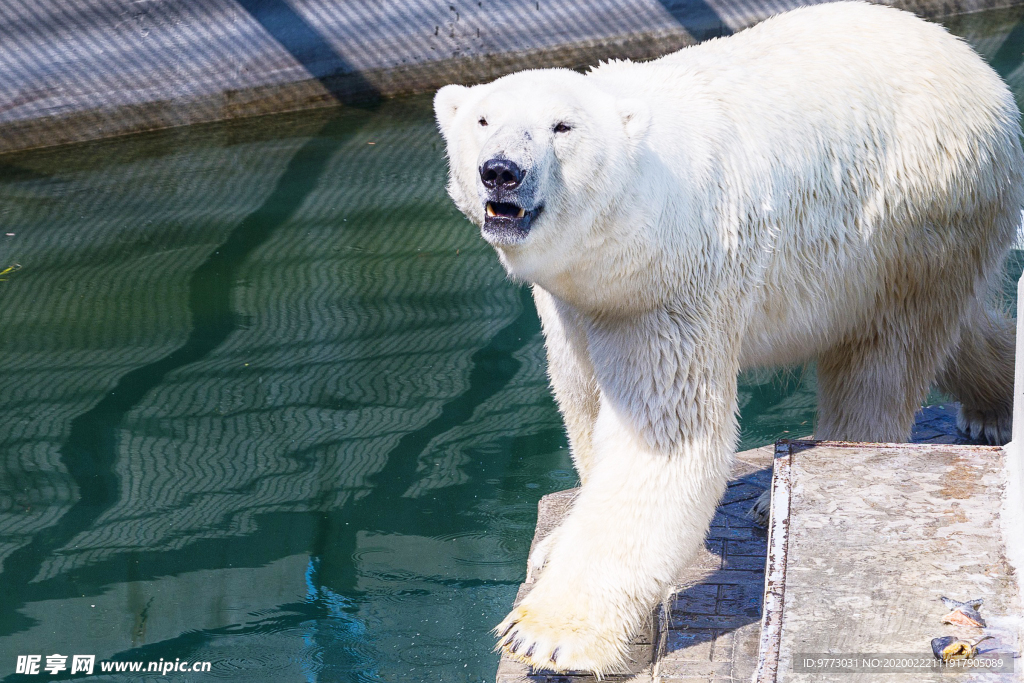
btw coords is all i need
(989, 427)
(558, 646)
(506, 631)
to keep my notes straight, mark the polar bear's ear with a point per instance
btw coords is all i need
(446, 102)
(636, 119)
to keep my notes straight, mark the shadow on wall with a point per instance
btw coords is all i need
(311, 48)
(86, 69)
(305, 43)
(700, 19)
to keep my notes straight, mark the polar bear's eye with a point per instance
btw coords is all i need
(562, 127)
(482, 121)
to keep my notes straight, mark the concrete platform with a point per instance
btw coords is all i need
(709, 631)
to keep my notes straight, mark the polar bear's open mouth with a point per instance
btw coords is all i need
(508, 222)
(505, 210)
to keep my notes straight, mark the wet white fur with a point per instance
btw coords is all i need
(838, 183)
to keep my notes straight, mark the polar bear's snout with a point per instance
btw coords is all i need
(503, 174)
(509, 205)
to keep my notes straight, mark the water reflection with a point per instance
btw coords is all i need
(241, 359)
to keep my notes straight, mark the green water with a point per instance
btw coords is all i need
(269, 402)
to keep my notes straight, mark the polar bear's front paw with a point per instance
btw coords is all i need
(553, 635)
(992, 427)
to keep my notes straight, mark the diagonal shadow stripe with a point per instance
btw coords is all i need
(384, 507)
(1010, 54)
(700, 19)
(312, 50)
(493, 367)
(90, 452)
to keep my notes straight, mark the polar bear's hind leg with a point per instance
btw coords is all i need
(872, 383)
(979, 374)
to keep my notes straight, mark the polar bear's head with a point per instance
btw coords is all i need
(536, 158)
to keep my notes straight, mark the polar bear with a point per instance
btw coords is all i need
(840, 183)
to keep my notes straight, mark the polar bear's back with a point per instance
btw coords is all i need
(846, 82)
(834, 145)
(822, 57)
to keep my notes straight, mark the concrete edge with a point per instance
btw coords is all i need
(360, 87)
(1012, 514)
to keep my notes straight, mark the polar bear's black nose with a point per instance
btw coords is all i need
(501, 174)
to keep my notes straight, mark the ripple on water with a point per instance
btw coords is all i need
(442, 634)
(293, 653)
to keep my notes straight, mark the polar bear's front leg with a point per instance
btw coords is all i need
(571, 375)
(640, 517)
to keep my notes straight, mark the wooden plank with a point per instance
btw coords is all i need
(872, 536)
(775, 574)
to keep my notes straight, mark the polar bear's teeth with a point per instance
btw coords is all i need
(490, 209)
(522, 212)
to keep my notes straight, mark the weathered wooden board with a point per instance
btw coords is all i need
(865, 538)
